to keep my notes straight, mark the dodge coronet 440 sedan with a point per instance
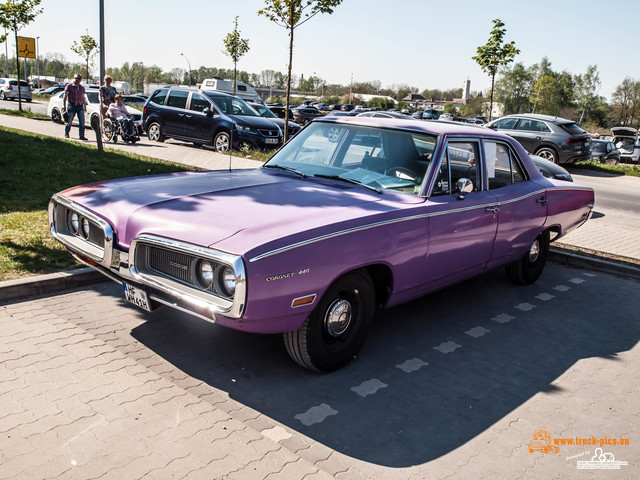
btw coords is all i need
(352, 215)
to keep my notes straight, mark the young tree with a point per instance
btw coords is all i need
(494, 54)
(236, 48)
(15, 14)
(587, 91)
(87, 49)
(290, 14)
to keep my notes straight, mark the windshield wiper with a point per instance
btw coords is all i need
(288, 169)
(348, 180)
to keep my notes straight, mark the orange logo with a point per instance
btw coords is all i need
(542, 442)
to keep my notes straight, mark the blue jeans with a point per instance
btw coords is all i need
(72, 110)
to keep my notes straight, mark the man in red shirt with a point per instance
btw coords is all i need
(73, 102)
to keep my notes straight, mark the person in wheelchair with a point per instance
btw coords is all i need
(118, 111)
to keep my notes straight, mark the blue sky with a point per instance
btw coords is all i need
(423, 43)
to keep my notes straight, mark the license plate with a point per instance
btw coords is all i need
(271, 140)
(137, 296)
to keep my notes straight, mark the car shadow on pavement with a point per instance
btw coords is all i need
(434, 373)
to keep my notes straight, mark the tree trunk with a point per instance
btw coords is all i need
(286, 111)
(493, 77)
(235, 77)
(15, 32)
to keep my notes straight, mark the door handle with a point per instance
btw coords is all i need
(542, 200)
(181, 114)
(492, 209)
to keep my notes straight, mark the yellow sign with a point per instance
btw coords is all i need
(26, 47)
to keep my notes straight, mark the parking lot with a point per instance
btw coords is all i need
(453, 385)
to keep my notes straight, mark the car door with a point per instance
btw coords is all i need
(530, 133)
(462, 227)
(173, 114)
(197, 124)
(521, 204)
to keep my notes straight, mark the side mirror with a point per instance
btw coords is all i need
(208, 112)
(463, 186)
(492, 127)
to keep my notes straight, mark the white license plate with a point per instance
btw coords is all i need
(137, 296)
(271, 140)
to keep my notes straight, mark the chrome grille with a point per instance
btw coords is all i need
(170, 263)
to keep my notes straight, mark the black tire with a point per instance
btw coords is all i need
(336, 329)
(154, 132)
(28, 100)
(2, 96)
(548, 153)
(56, 116)
(527, 270)
(222, 142)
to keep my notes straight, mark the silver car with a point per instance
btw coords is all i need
(9, 89)
(627, 140)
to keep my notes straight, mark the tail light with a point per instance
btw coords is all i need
(144, 109)
(9, 87)
(577, 140)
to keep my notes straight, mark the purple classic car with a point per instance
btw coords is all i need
(352, 215)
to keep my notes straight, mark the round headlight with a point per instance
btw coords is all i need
(85, 228)
(228, 281)
(74, 222)
(205, 274)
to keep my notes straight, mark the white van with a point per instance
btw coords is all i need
(243, 90)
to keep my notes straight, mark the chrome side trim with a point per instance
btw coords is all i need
(103, 255)
(365, 227)
(199, 298)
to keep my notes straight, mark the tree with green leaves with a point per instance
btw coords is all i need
(87, 49)
(15, 14)
(495, 54)
(290, 14)
(236, 47)
(513, 89)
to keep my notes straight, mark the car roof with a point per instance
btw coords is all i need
(539, 116)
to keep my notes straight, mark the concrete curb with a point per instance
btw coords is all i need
(49, 283)
(61, 281)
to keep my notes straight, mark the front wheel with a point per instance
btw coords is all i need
(222, 142)
(548, 154)
(333, 333)
(527, 270)
(154, 132)
(56, 116)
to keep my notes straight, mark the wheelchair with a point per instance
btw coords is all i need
(112, 129)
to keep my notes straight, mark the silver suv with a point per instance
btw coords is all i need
(9, 89)
(556, 139)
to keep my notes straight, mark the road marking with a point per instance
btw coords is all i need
(476, 332)
(412, 365)
(577, 281)
(447, 347)
(315, 414)
(276, 434)
(561, 288)
(503, 318)
(545, 296)
(369, 387)
(525, 307)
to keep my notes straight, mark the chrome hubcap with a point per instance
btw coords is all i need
(534, 251)
(222, 143)
(338, 317)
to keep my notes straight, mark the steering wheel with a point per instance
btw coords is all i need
(404, 174)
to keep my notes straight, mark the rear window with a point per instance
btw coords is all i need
(572, 128)
(15, 82)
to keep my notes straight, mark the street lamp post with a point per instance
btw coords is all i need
(38, 60)
(188, 63)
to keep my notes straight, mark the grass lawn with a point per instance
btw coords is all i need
(34, 167)
(621, 168)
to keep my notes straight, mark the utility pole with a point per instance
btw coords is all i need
(38, 61)
(102, 66)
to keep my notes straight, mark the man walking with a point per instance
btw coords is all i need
(73, 102)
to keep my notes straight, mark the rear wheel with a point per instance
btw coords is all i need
(154, 131)
(527, 270)
(548, 154)
(333, 333)
(2, 96)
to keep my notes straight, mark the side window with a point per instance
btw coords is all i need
(459, 161)
(502, 167)
(527, 125)
(159, 97)
(177, 98)
(198, 103)
(506, 123)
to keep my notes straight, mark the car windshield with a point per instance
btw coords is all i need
(232, 105)
(264, 111)
(378, 158)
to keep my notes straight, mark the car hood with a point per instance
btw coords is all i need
(204, 208)
(251, 121)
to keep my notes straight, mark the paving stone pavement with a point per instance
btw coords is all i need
(94, 388)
